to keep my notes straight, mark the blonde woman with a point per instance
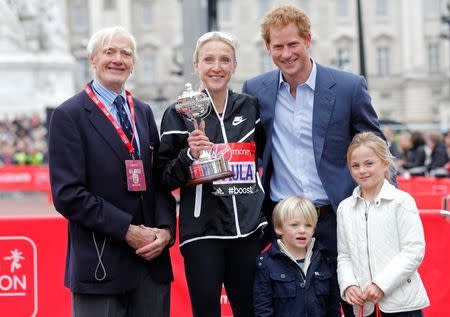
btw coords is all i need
(220, 222)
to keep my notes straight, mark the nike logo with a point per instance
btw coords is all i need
(238, 120)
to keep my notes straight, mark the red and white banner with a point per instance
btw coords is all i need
(24, 178)
(32, 257)
(18, 275)
(32, 261)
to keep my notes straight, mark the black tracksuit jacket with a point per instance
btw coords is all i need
(202, 214)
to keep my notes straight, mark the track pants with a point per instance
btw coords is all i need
(210, 262)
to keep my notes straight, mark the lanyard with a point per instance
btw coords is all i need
(361, 311)
(108, 115)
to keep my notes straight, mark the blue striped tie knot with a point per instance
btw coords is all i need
(125, 123)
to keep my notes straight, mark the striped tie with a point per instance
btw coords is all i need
(119, 102)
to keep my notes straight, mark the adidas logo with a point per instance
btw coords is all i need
(218, 191)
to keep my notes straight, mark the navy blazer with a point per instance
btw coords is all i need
(342, 108)
(282, 289)
(89, 187)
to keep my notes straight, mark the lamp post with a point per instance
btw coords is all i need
(446, 20)
(199, 16)
(362, 61)
(212, 15)
(446, 34)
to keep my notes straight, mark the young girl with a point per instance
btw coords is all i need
(380, 237)
(293, 277)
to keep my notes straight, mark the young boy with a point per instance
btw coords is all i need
(293, 277)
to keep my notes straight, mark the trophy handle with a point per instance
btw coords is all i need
(204, 154)
(199, 124)
(195, 123)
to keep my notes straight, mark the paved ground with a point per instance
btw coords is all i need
(27, 204)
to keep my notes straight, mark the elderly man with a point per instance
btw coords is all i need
(103, 146)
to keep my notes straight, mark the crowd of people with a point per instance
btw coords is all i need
(341, 235)
(420, 154)
(23, 140)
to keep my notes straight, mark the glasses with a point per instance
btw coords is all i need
(219, 36)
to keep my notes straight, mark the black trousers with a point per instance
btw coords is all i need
(148, 299)
(209, 263)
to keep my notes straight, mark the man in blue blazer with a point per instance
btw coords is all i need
(310, 114)
(103, 146)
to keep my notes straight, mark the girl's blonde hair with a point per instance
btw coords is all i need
(377, 145)
(292, 206)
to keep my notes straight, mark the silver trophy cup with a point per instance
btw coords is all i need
(195, 106)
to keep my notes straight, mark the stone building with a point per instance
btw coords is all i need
(408, 66)
(36, 66)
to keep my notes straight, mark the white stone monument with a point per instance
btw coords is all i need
(36, 67)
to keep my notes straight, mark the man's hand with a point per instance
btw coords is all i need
(138, 236)
(373, 294)
(354, 295)
(154, 249)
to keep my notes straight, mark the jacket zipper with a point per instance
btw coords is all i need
(302, 274)
(366, 214)
(225, 140)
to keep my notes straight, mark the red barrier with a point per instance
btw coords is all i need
(429, 192)
(31, 179)
(24, 178)
(422, 184)
(428, 201)
(32, 257)
(434, 268)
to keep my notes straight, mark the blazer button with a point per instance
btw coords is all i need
(302, 284)
(283, 276)
(408, 280)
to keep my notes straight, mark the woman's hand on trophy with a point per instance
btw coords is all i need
(198, 142)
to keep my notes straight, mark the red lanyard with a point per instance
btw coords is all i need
(108, 115)
(361, 311)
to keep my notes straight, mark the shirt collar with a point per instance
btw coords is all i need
(284, 250)
(107, 95)
(387, 192)
(310, 82)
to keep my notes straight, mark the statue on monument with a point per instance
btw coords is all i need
(12, 34)
(39, 22)
(34, 51)
(53, 35)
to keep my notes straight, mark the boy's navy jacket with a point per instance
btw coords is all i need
(282, 290)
